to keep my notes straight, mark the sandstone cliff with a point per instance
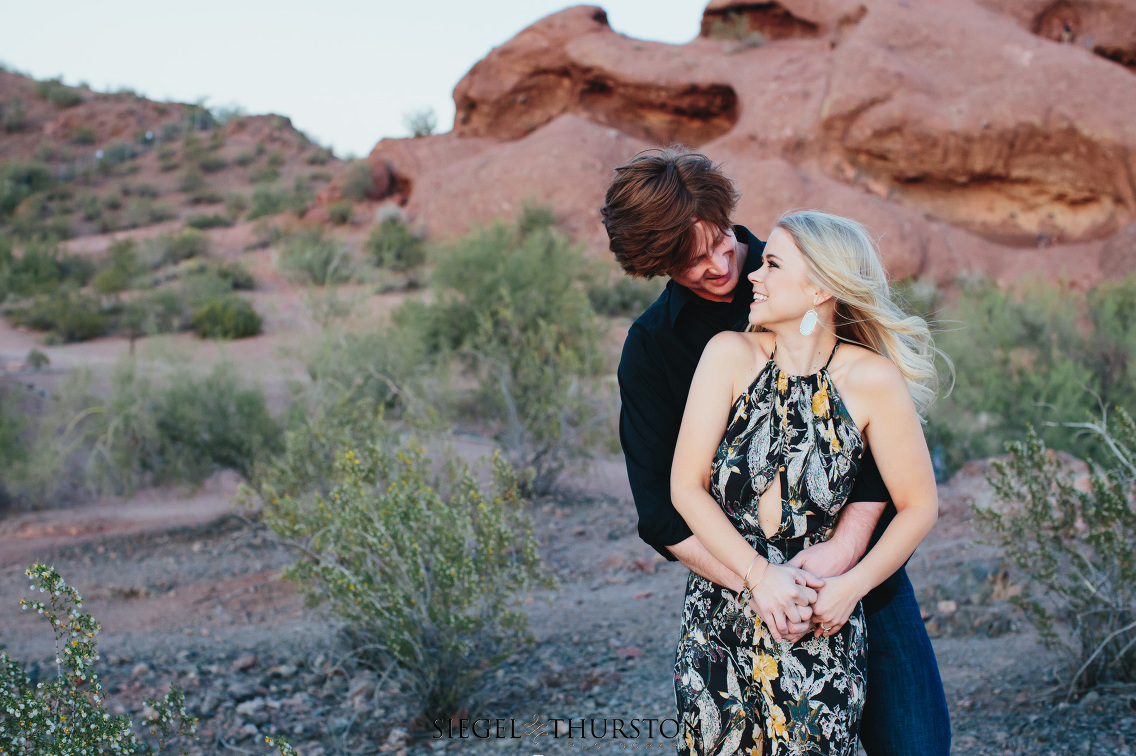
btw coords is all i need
(974, 136)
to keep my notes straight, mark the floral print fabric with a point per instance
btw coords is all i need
(737, 691)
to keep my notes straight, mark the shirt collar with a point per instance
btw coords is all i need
(680, 296)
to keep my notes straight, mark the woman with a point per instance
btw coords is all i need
(775, 426)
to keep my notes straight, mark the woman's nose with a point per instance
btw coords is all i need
(754, 277)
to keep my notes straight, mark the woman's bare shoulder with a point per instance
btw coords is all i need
(734, 354)
(866, 371)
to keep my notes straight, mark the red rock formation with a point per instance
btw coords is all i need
(957, 129)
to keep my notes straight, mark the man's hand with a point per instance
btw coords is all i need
(848, 543)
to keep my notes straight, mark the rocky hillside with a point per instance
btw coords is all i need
(75, 163)
(995, 137)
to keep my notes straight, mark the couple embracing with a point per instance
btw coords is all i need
(771, 404)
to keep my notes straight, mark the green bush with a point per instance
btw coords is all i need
(510, 303)
(267, 200)
(14, 116)
(1026, 360)
(392, 245)
(119, 268)
(244, 158)
(208, 220)
(58, 93)
(65, 315)
(67, 714)
(420, 123)
(156, 426)
(229, 317)
(20, 180)
(322, 260)
(42, 268)
(144, 212)
(1077, 544)
(84, 135)
(627, 297)
(425, 569)
(318, 157)
(212, 163)
(193, 180)
(341, 213)
(358, 182)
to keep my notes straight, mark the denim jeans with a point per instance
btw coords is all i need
(906, 711)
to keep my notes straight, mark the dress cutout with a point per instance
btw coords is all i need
(737, 691)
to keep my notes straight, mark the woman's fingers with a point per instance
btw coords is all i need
(768, 619)
(804, 595)
(793, 616)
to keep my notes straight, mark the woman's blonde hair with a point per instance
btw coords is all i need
(843, 259)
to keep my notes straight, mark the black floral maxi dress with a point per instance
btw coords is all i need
(737, 691)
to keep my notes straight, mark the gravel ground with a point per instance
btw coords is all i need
(205, 607)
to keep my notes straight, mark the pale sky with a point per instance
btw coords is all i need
(345, 71)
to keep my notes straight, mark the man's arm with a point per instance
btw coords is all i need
(854, 527)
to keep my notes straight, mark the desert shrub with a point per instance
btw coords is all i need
(426, 569)
(193, 180)
(321, 260)
(84, 135)
(1026, 360)
(510, 303)
(119, 152)
(208, 220)
(735, 26)
(14, 116)
(90, 206)
(144, 212)
(228, 317)
(142, 190)
(37, 360)
(58, 93)
(187, 243)
(236, 275)
(156, 426)
(276, 159)
(112, 201)
(264, 234)
(394, 246)
(20, 180)
(115, 274)
(341, 213)
(627, 297)
(212, 163)
(1075, 544)
(267, 200)
(358, 183)
(206, 196)
(244, 158)
(67, 714)
(65, 315)
(318, 157)
(42, 268)
(420, 123)
(236, 204)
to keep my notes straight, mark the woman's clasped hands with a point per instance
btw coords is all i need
(783, 597)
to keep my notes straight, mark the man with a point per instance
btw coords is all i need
(667, 212)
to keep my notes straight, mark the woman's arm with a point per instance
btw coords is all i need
(896, 437)
(779, 588)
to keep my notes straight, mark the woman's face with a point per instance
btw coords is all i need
(782, 291)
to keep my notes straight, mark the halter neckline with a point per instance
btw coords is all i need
(790, 376)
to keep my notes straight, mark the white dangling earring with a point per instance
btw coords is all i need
(808, 322)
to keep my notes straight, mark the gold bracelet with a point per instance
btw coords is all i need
(745, 585)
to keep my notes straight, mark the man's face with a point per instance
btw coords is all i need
(714, 273)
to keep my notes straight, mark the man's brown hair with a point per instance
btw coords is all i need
(652, 204)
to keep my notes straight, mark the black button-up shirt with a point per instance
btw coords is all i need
(659, 358)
